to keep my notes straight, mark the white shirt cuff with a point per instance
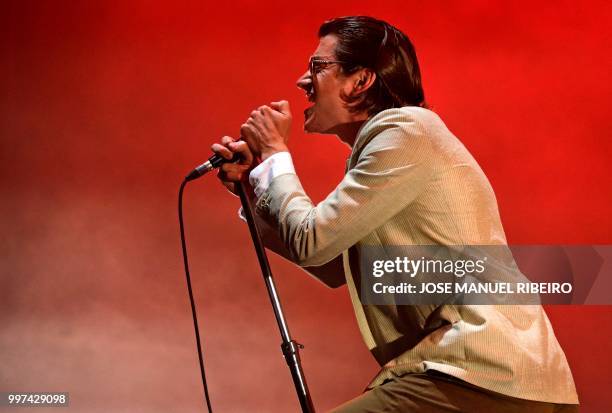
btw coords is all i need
(278, 164)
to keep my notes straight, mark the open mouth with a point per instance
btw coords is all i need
(310, 91)
(310, 95)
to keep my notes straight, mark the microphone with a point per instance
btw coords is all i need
(213, 162)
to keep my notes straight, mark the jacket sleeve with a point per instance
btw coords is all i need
(331, 273)
(391, 171)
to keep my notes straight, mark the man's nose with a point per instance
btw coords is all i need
(304, 81)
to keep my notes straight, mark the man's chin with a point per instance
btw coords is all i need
(309, 125)
(314, 128)
(308, 128)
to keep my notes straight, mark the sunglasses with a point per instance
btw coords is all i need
(316, 64)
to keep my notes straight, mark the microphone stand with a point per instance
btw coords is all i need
(289, 347)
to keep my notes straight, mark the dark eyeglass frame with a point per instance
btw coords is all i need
(321, 61)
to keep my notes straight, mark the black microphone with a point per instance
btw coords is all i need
(213, 162)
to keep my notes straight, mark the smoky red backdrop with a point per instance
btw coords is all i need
(107, 104)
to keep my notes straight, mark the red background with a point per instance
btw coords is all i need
(106, 105)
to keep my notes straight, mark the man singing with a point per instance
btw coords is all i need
(408, 181)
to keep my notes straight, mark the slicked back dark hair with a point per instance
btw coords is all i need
(366, 42)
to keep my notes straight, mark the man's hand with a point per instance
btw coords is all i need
(233, 172)
(267, 129)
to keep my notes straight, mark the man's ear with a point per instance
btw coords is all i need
(362, 80)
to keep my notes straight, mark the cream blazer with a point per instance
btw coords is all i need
(410, 181)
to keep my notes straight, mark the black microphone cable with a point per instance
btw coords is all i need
(191, 300)
(213, 162)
